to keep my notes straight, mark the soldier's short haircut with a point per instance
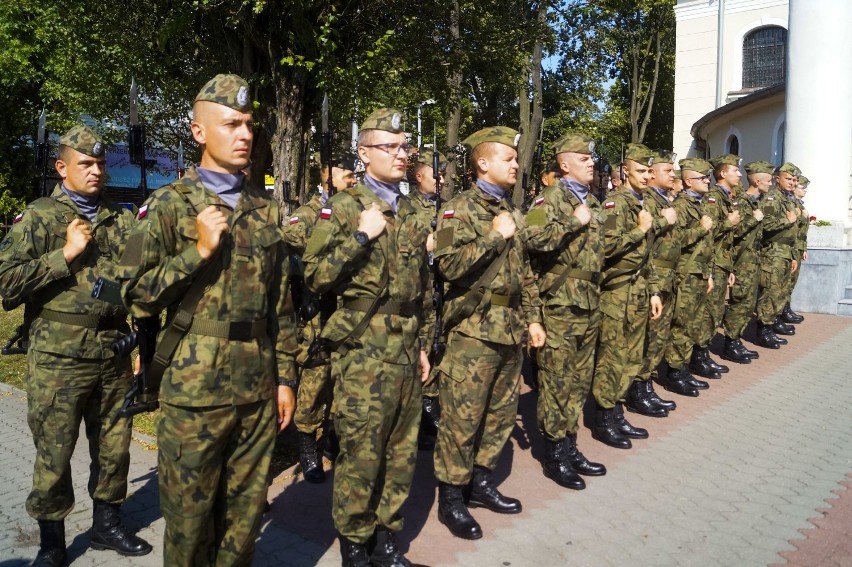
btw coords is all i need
(717, 171)
(365, 137)
(483, 150)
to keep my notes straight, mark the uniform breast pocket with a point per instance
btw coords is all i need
(264, 243)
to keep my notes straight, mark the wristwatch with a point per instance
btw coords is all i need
(361, 237)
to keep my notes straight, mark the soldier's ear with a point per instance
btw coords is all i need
(62, 168)
(198, 132)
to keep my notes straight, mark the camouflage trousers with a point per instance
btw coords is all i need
(377, 415)
(690, 321)
(715, 305)
(794, 279)
(213, 467)
(566, 365)
(479, 387)
(314, 399)
(774, 284)
(742, 300)
(659, 333)
(621, 342)
(62, 391)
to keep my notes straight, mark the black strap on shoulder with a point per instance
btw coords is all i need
(474, 296)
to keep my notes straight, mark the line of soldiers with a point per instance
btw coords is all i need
(328, 313)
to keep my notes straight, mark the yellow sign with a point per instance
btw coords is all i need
(269, 180)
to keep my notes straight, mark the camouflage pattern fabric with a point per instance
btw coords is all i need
(480, 372)
(689, 323)
(84, 140)
(718, 203)
(228, 90)
(778, 249)
(743, 295)
(206, 454)
(387, 119)
(570, 314)
(802, 225)
(72, 373)
(297, 229)
(480, 384)
(624, 299)
(376, 386)
(209, 375)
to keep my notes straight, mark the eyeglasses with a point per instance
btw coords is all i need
(701, 177)
(391, 149)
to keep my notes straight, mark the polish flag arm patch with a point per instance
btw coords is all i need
(711, 200)
(449, 213)
(294, 220)
(609, 205)
(325, 214)
(770, 198)
(143, 212)
(538, 201)
(18, 218)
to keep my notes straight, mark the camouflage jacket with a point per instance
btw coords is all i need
(466, 244)
(33, 269)
(557, 242)
(625, 244)
(779, 234)
(297, 229)
(717, 206)
(336, 263)
(747, 235)
(248, 284)
(696, 253)
(425, 209)
(802, 226)
(665, 251)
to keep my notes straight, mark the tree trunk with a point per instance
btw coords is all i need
(291, 135)
(454, 81)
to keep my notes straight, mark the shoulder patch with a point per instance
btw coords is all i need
(294, 220)
(444, 238)
(735, 204)
(18, 218)
(449, 213)
(711, 199)
(143, 212)
(609, 205)
(6, 243)
(538, 201)
(537, 217)
(768, 199)
(325, 213)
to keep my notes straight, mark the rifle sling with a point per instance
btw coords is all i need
(473, 297)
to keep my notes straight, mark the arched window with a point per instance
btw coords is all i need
(734, 145)
(764, 57)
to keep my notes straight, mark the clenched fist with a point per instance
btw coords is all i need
(583, 214)
(758, 215)
(791, 216)
(734, 217)
(372, 221)
(706, 223)
(645, 221)
(211, 224)
(77, 235)
(669, 214)
(504, 224)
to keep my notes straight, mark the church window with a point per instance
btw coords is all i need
(764, 57)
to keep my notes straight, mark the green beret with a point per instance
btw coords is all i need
(759, 167)
(425, 158)
(500, 134)
(387, 119)
(228, 90)
(639, 153)
(727, 159)
(665, 156)
(804, 180)
(791, 169)
(84, 140)
(696, 164)
(574, 142)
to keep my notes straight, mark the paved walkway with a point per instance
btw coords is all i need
(756, 471)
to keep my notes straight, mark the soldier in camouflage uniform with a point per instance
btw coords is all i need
(665, 252)
(802, 224)
(694, 279)
(777, 257)
(721, 205)
(218, 394)
(567, 252)
(624, 299)
(315, 393)
(491, 298)
(50, 259)
(369, 249)
(743, 296)
(424, 199)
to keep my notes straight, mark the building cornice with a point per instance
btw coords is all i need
(739, 104)
(693, 9)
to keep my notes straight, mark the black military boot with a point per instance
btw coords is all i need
(782, 328)
(353, 554)
(309, 458)
(332, 444)
(109, 533)
(720, 368)
(624, 426)
(698, 365)
(734, 354)
(52, 552)
(667, 405)
(578, 460)
(429, 420)
(639, 400)
(484, 494)
(790, 316)
(752, 354)
(453, 513)
(557, 468)
(386, 553)
(605, 430)
(765, 337)
(676, 381)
